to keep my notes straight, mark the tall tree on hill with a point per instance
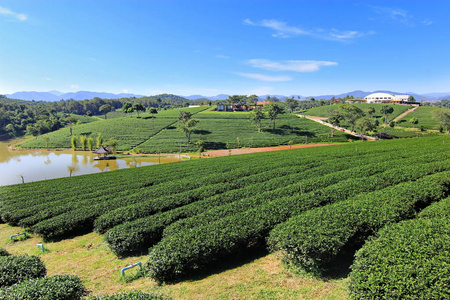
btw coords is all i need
(105, 108)
(386, 110)
(186, 124)
(153, 111)
(291, 104)
(365, 124)
(127, 107)
(351, 113)
(443, 118)
(273, 110)
(335, 119)
(138, 107)
(256, 116)
(252, 100)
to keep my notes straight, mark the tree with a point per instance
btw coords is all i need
(334, 119)
(252, 100)
(291, 104)
(370, 111)
(153, 111)
(365, 124)
(351, 113)
(386, 110)
(138, 107)
(273, 110)
(112, 143)
(105, 108)
(411, 99)
(90, 143)
(201, 147)
(83, 142)
(413, 120)
(443, 118)
(99, 140)
(73, 142)
(127, 108)
(186, 124)
(11, 129)
(256, 116)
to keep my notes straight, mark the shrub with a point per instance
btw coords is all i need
(15, 269)
(3, 252)
(59, 287)
(408, 260)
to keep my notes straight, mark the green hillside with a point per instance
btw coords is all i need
(322, 111)
(217, 130)
(196, 213)
(425, 116)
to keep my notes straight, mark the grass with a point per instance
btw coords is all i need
(88, 257)
(222, 130)
(425, 115)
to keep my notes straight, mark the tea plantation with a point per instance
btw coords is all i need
(315, 206)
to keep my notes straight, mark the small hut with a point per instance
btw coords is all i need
(103, 153)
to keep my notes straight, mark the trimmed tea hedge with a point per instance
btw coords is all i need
(313, 239)
(59, 287)
(439, 209)
(3, 252)
(15, 269)
(408, 260)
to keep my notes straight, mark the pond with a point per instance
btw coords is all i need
(17, 166)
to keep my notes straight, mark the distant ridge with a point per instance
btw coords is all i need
(56, 96)
(82, 95)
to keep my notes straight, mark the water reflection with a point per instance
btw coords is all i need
(34, 165)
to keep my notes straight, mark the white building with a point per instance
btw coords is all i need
(386, 98)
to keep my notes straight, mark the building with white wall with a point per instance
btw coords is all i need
(386, 98)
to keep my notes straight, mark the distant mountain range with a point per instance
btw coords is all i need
(81, 95)
(56, 96)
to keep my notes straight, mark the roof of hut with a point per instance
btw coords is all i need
(102, 150)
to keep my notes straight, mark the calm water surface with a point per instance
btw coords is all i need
(34, 165)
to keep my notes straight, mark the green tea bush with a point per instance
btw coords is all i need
(15, 269)
(59, 287)
(407, 260)
(3, 252)
(313, 239)
(439, 209)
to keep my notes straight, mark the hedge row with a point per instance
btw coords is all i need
(147, 208)
(82, 219)
(132, 195)
(140, 234)
(59, 287)
(186, 251)
(315, 238)
(15, 269)
(408, 260)
(439, 210)
(404, 170)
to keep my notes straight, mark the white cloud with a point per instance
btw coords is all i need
(282, 30)
(427, 22)
(126, 91)
(263, 90)
(8, 12)
(222, 56)
(263, 77)
(290, 65)
(74, 86)
(395, 14)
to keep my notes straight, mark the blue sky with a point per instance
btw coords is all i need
(211, 47)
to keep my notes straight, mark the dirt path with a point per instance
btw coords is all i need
(217, 153)
(321, 121)
(405, 113)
